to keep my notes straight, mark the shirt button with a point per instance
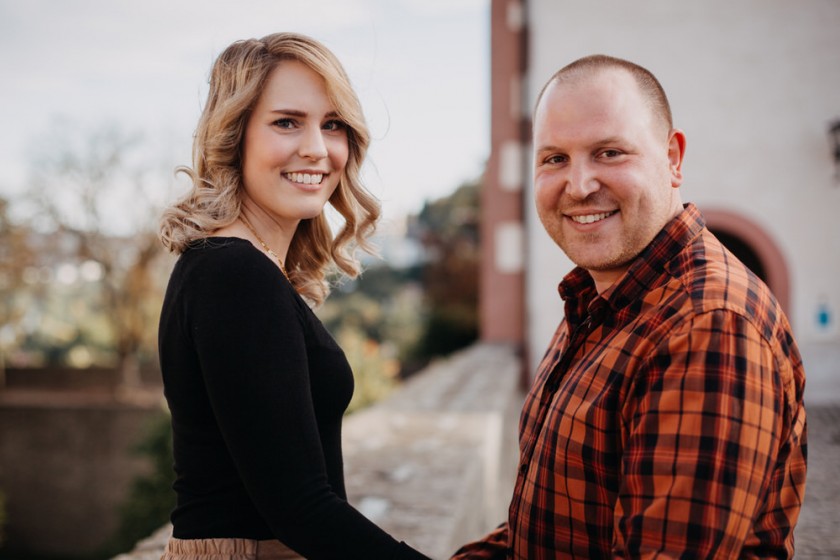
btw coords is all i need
(523, 468)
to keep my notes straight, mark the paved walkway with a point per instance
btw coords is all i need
(818, 532)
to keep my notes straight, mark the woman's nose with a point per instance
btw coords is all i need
(312, 145)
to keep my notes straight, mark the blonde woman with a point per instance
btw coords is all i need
(256, 386)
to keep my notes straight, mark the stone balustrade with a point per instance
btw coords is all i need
(434, 463)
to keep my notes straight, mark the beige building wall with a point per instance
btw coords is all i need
(754, 84)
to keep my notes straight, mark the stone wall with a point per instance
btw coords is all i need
(99, 380)
(66, 464)
(434, 463)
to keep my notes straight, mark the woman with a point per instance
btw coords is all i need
(256, 386)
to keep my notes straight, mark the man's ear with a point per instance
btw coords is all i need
(676, 153)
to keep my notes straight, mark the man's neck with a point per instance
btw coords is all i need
(605, 279)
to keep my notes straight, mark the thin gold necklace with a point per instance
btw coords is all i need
(264, 245)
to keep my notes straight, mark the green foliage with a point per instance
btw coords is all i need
(374, 372)
(151, 497)
(450, 232)
(447, 329)
(412, 315)
(374, 320)
(382, 303)
(453, 217)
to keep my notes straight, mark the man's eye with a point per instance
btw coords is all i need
(555, 159)
(611, 153)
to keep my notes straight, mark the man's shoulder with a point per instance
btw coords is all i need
(714, 279)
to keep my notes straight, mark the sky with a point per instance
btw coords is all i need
(420, 67)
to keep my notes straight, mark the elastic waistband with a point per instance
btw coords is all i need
(227, 549)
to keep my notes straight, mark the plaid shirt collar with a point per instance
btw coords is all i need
(578, 288)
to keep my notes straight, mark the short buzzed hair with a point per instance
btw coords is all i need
(648, 84)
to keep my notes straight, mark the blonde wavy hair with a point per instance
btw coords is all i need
(214, 199)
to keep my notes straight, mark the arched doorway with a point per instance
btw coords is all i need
(755, 248)
(743, 251)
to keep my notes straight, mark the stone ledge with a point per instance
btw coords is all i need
(434, 463)
(150, 548)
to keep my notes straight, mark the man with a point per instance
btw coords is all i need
(666, 418)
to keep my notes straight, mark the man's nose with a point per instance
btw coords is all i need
(582, 181)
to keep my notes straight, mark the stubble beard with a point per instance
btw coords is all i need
(591, 251)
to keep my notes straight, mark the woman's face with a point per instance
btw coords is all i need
(295, 147)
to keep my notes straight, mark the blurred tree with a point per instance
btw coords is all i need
(16, 258)
(374, 372)
(449, 230)
(98, 194)
(382, 306)
(428, 309)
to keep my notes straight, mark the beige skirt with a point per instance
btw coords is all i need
(227, 549)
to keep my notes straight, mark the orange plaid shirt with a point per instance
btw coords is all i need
(666, 419)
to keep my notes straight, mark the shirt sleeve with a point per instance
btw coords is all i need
(247, 330)
(703, 422)
(493, 546)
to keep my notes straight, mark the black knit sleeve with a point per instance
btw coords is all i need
(247, 328)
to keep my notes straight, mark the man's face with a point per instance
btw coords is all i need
(606, 170)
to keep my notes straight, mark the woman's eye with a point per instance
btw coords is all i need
(284, 123)
(333, 125)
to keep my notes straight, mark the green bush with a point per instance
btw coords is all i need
(374, 371)
(151, 498)
(448, 328)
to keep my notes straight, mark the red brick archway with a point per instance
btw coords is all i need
(759, 241)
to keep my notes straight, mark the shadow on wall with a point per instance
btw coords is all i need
(66, 450)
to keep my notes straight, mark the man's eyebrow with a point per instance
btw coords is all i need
(547, 148)
(596, 144)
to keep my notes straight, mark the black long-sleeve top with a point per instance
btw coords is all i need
(257, 389)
